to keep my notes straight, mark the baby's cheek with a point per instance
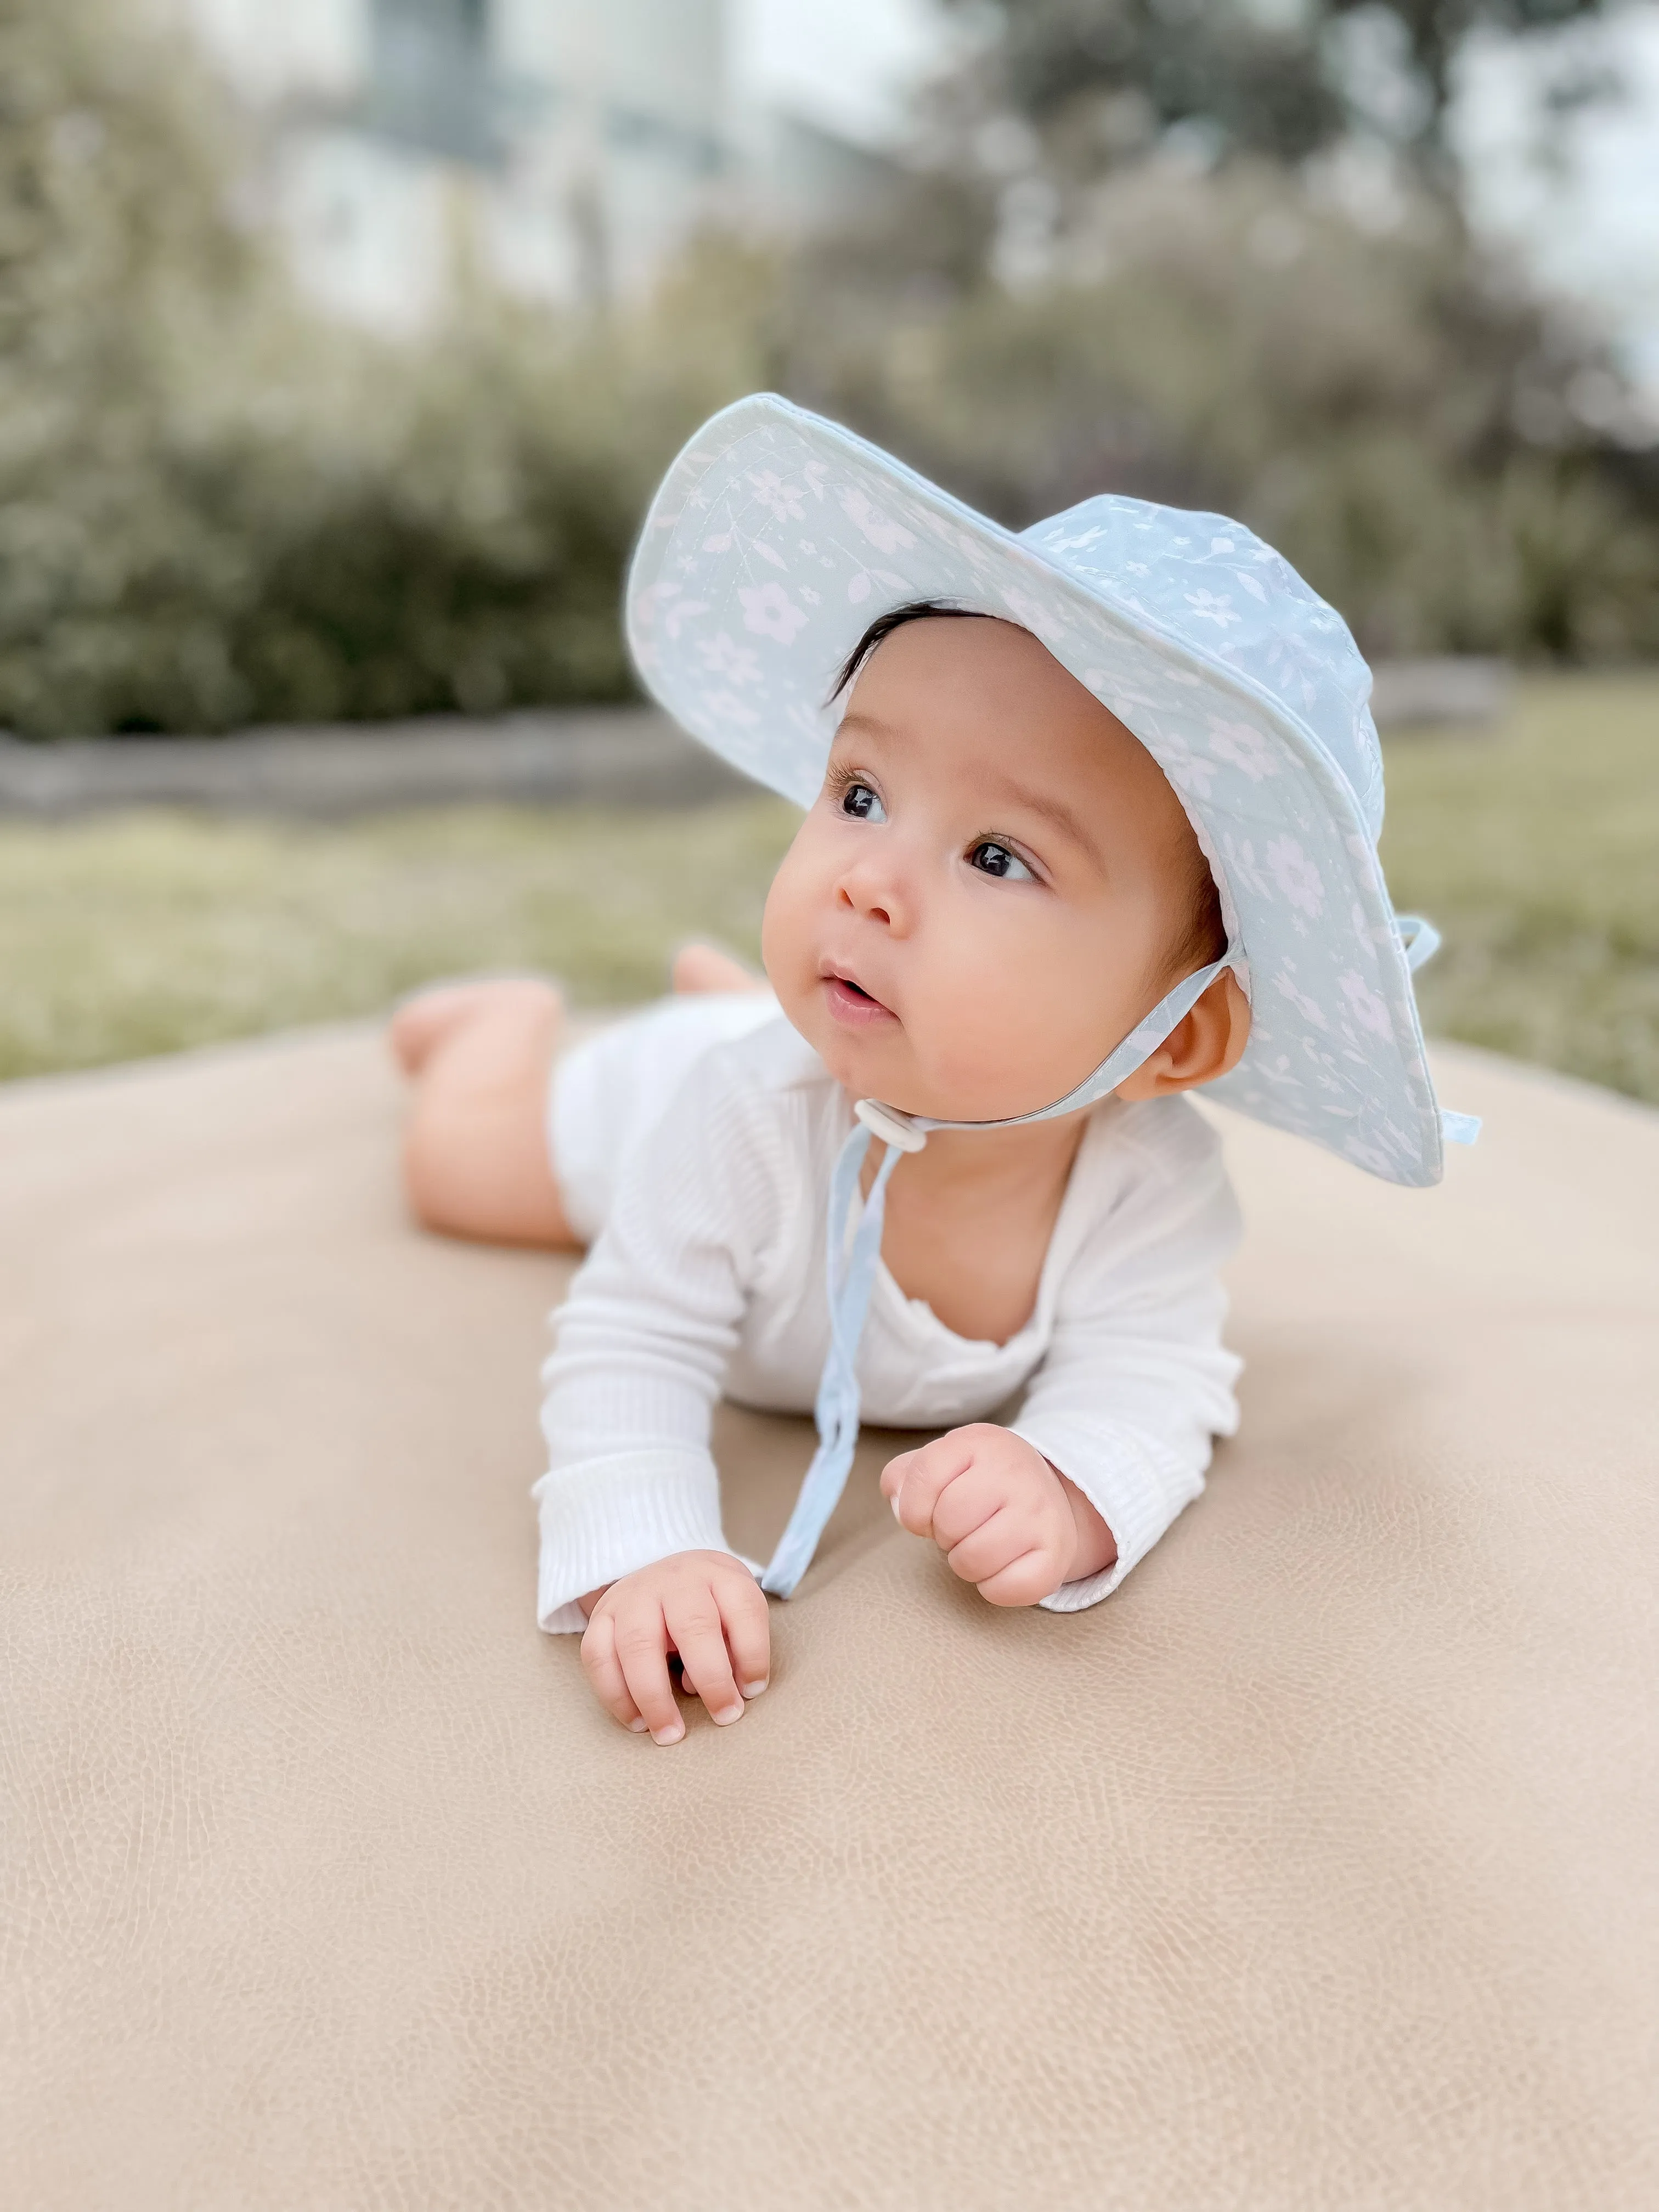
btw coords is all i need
(1008, 1022)
(785, 930)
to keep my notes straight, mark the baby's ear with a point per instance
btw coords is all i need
(1206, 1044)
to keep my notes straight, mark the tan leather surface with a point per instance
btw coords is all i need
(1312, 1870)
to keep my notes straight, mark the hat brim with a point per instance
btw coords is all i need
(774, 540)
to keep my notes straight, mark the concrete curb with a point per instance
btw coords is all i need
(597, 755)
(613, 757)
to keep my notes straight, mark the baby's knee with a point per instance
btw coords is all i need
(429, 1173)
(498, 1006)
(475, 1158)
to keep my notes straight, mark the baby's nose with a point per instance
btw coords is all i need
(875, 895)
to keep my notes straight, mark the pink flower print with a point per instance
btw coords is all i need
(1041, 620)
(883, 532)
(1243, 744)
(1367, 1009)
(680, 612)
(778, 498)
(1310, 1009)
(1211, 606)
(663, 602)
(650, 603)
(731, 709)
(1365, 1155)
(1297, 876)
(721, 655)
(1186, 769)
(769, 611)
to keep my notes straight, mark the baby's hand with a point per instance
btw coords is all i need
(706, 1606)
(1000, 1514)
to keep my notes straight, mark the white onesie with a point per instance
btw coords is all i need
(694, 1143)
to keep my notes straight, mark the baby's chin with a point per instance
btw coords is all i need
(886, 1065)
(866, 1064)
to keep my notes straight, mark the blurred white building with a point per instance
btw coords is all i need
(571, 144)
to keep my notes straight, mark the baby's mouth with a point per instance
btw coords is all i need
(851, 1004)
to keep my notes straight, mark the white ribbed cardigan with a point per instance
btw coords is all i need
(709, 1274)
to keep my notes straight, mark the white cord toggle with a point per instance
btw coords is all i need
(852, 1254)
(1419, 941)
(893, 1126)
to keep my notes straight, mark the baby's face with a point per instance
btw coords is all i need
(992, 887)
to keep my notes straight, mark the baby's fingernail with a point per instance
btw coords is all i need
(754, 1689)
(893, 1502)
(639, 1724)
(727, 1714)
(672, 1734)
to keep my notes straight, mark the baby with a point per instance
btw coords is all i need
(1074, 848)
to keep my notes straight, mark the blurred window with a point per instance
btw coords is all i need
(431, 75)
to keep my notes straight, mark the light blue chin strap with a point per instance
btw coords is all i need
(852, 1261)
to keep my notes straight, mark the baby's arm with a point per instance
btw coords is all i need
(630, 1513)
(705, 1606)
(1004, 1518)
(1116, 1430)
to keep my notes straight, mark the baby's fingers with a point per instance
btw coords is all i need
(1036, 1574)
(642, 1652)
(695, 1623)
(604, 1671)
(921, 1475)
(893, 1474)
(747, 1633)
(993, 1545)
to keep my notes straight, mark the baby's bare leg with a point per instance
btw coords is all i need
(480, 1055)
(704, 968)
(475, 1148)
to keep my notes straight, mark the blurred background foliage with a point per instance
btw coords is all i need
(1531, 844)
(1139, 252)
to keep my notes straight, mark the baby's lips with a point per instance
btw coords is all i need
(830, 972)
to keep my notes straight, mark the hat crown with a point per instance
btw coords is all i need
(776, 536)
(1195, 575)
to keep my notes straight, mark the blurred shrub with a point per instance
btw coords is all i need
(1389, 409)
(217, 508)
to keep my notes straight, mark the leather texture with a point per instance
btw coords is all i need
(1311, 1870)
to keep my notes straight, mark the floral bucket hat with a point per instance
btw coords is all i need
(777, 537)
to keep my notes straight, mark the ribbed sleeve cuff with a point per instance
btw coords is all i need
(1136, 1498)
(603, 1517)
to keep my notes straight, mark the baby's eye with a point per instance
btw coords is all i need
(862, 804)
(993, 860)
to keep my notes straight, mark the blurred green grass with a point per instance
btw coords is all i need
(1534, 846)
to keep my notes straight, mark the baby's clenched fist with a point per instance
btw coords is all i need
(705, 1606)
(1005, 1519)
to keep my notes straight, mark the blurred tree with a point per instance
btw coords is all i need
(118, 259)
(216, 507)
(1100, 79)
(1398, 416)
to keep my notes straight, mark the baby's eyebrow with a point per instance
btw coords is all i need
(1064, 818)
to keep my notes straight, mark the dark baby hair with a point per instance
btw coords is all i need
(883, 627)
(1204, 938)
